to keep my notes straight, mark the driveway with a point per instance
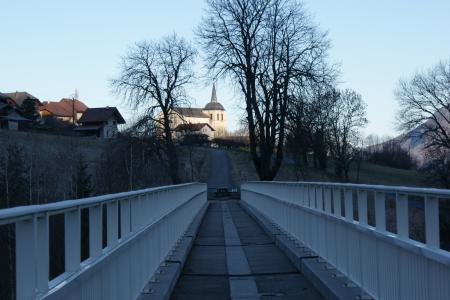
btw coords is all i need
(219, 173)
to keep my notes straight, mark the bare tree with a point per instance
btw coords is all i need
(263, 46)
(153, 78)
(311, 112)
(425, 106)
(347, 117)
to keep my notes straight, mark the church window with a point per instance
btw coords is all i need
(211, 116)
(222, 117)
(217, 117)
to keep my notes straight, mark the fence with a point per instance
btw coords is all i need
(339, 224)
(141, 228)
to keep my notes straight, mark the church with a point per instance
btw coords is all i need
(210, 120)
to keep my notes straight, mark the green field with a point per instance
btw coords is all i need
(244, 170)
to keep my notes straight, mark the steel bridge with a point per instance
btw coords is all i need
(287, 240)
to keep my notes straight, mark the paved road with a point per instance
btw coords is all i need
(219, 173)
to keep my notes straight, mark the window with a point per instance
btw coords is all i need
(222, 117)
(217, 117)
(211, 117)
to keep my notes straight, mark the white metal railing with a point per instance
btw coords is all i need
(387, 265)
(151, 221)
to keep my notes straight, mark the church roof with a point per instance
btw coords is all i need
(190, 112)
(192, 127)
(214, 104)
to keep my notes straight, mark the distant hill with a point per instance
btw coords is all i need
(414, 142)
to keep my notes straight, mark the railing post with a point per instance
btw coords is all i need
(348, 197)
(311, 196)
(304, 195)
(125, 223)
(327, 195)
(26, 258)
(432, 222)
(380, 211)
(134, 215)
(42, 246)
(402, 216)
(319, 198)
(72, 238)
(337, 202)
(112, 226)
(95, 230)
(362, 207)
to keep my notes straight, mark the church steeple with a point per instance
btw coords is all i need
(214, 94)
(214, 104)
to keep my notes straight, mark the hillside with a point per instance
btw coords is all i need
(45, 168)
(414, 142)
(243, 170)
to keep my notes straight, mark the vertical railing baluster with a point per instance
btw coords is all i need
(380, 211)
(362, 207)
(134, 215)
(125, 222)
(305, 195)
(112, 214)
(432, 222)
(327, 195)
(337, 202)
(43, 254)
(312, 196)
(348, 197)
(402, 216)
(26, 258)
(319, 198)
(72, 240)
(95, 230)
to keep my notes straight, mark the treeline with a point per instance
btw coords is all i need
(39, 169)
(324, 124)
(388, 153)
(35, 172)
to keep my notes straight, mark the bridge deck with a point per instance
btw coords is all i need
(233, 258)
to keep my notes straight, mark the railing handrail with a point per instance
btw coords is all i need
(371, 187)
(146, 223)
(332, 219)
(11, 214)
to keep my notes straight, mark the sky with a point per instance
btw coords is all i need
(49, 48)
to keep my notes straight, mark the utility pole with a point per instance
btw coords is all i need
(75, 96)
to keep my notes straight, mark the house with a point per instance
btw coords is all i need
(199, 129)
(64, 110)
(16, 99)
(101, 122)
(212, 114)
(10, 117)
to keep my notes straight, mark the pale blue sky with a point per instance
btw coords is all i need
(51, 47)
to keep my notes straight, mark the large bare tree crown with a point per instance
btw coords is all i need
(424, 103)
(264, 47)
(153, 75)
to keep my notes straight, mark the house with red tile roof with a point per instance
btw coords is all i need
(65, 110)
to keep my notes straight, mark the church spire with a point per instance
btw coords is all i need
(214, 95)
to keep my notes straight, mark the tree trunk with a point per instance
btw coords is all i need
(172, 157)
(171, 151)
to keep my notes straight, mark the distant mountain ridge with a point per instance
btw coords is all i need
(415, 142)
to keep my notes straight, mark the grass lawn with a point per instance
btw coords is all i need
(244, 170)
